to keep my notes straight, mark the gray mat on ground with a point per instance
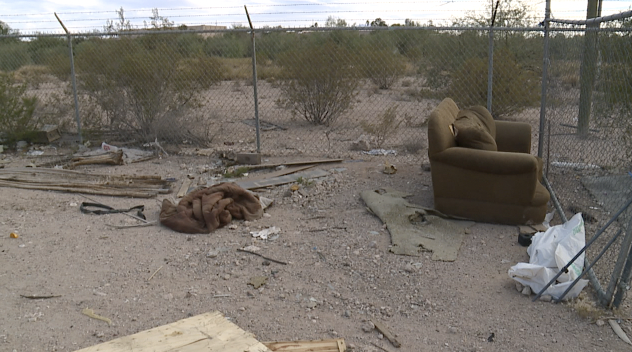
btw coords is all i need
(611, 191)
(416, 229)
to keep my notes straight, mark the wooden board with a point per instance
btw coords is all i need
(209, 332)
(335, 345)
(281, 180)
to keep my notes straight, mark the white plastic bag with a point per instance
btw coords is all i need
(549, 252)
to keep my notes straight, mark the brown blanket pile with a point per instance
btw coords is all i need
(210, 208)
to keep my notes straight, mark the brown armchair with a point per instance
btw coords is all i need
(499, 182)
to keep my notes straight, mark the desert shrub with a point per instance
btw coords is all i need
(514, 88)
(318, 81)
(385, 127)
(382, 66)
(13, 55)
(142, 84)
(16, 109)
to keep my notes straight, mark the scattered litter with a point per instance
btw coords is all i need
(89, 312)
(14, 235)
(389, 168)
(549, 252)
(381, 152)
(35, 153)
(109, 148)
(617, 330)
(258, 281)
(265, 233)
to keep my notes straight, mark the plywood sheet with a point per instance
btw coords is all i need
(209, 332)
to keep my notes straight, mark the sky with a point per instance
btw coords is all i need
(80, 16)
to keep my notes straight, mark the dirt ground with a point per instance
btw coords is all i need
(339, 272)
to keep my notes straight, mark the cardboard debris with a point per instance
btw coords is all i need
(210, 332)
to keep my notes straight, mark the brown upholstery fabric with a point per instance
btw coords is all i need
(471, 132)
(490, 186)
(210, 208)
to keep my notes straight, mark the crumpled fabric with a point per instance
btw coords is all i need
(208, 209)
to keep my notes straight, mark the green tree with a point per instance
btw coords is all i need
(335, 22)
(378, 22)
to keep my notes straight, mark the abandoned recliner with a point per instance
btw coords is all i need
(482, 169)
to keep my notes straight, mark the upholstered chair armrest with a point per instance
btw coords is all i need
(513, 136)
(490, 162)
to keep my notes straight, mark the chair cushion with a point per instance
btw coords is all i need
(473, 131)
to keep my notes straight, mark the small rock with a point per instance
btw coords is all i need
(425, 166)
(232, 227)
(546, 298)
(311, 304)
(99, 334)
(347, 314)
(526, 291)
(250, 294)
(519, 287)
(226, 276)
(453, 330)
(212, 253)
(368, 326)
(168, 296)
(409, 268)
(363, 143)
(600, 322)
(22, 245)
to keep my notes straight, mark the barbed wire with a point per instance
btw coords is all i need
(217, 16)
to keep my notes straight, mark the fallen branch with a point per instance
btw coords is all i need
(386, 332)
(264, 257)
(154, 274)
(130, 226)
(39, 296)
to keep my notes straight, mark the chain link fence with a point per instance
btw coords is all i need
(320, 91)
(588, 143)
(340, 92)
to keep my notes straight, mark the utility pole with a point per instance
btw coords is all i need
(587, 71)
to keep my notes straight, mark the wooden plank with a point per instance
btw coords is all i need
(286, 171)
(333, 345)
(295, 163)
(209, 332)
(281, 180)
(184, 188)
(383, 328)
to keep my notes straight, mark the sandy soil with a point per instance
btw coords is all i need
(340, 273)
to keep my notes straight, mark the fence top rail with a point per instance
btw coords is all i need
(324, 29)
(595, 20)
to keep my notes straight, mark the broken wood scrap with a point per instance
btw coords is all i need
(281, 180)
(332, 345)
(294, 163)
(82, 182)
(184, 189)
(381, 327)
(112, 158)
(283, 172)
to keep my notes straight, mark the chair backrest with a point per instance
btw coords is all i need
(440, 137)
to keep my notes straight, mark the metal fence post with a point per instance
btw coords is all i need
(545, 65)
(254, 82)
(74, 79)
